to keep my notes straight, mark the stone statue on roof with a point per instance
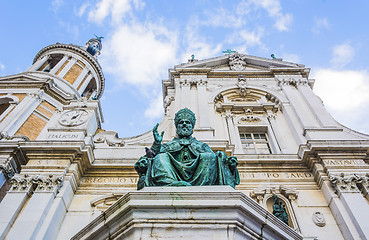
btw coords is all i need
(185, 161)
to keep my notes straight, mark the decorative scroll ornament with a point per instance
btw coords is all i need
(318, 219)
(343, 183)
(110, 138)
(237, 62)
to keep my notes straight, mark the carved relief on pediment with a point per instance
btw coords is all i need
(237, 62)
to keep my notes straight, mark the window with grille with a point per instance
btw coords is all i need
(255, 143)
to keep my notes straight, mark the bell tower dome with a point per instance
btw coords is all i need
(74, 69)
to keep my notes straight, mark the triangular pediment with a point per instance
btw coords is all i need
(22, 78)
(238, 62)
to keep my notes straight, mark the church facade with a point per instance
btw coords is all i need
(62, 176)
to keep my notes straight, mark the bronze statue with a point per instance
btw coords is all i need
(279, 210)
(185, 161)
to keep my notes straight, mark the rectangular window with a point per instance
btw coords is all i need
(255, 143)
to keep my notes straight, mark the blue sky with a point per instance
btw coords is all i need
(142, 39)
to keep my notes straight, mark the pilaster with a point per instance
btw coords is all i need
(39, 63)
(234, 139)
(59, 64)
(346, 187)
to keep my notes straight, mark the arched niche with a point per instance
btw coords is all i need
(286, 195)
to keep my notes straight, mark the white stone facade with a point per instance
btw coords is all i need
(60, 171)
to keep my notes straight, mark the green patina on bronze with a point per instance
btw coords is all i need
(279, 210)
(185, 161)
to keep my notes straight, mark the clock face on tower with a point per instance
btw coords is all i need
(73, 118)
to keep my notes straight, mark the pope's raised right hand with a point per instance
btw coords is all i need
(157, 137)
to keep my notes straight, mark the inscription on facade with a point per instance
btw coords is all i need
(109, 180)
(55, 136)
(335, 162)
(277, 175)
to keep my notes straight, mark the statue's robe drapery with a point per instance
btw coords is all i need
(187, 162)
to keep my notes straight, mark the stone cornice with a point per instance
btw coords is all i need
(26, 80)
(62, 156)
(188, 198)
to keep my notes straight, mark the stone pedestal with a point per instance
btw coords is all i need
(207, 212)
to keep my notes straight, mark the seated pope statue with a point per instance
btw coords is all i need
(185, 161)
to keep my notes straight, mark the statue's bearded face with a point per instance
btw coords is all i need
(184, 128)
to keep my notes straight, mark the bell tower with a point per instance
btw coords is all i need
(58, 92)
(74, 69)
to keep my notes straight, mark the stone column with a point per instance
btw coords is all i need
(13, 203)
(294, 124)
(79, 79)
(289, 85)
(21, 113)
(185, 89)
(59, 64)
(272, 122)
(234, 139)
(54, 218)
(353, 201)
(317, 106)
(38, 63)
(67, 67)
(204, 118)
(30, 219)
(84, 84)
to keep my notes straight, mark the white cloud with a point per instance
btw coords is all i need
(82, 9)
(342, 55)
(56, 4)
(251, 38)
(117, 9)
(246, 39)
(139, 54)
(155, 109)
(2, 66)
(342, 90)
(320, 23)
(274, 9)
(222, 18)
(197, 44)
(71, 29)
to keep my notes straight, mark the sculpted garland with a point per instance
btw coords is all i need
(185, 161)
